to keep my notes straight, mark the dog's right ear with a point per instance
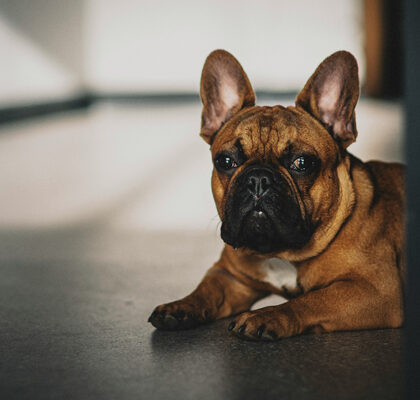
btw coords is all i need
(225, 90)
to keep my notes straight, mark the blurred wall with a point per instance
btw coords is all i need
(161, 45)
(52, 49)
(41, 50)
(145, 167)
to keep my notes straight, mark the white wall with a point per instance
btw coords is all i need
(41, 50)
(161, 45)
(52, 49)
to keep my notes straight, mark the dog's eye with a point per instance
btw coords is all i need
(225, 162)
(301, 164)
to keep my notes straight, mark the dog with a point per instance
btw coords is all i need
(301, 216)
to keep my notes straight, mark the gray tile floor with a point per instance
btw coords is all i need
(106, 214)
(73, 325)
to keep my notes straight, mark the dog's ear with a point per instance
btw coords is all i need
(225, 90)
(331, 94)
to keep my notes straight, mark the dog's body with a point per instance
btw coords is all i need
(301, 217)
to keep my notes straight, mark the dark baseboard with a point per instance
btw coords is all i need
(17, 113)
(175, 98)
(147, 98)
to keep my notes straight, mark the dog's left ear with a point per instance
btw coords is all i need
(331, 94)
(225, 90)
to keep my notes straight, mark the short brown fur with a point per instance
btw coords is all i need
(350, 273)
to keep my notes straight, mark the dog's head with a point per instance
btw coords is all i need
(280, 179)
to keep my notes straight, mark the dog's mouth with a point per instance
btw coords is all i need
(257, 231)
(266, 223)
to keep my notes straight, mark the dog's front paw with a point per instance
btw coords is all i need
(270, 324)
(179, 315)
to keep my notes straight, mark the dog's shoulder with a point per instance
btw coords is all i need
(388, 180)
(388, 173)
(380, 197)
(384, 179)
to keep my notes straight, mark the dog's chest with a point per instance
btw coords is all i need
(279, 273)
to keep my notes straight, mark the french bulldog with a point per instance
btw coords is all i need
(301, 216)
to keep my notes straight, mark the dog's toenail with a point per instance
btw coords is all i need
(260, 330)
(231, 325)
(242, 328)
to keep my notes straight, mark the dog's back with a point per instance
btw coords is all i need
(384, 199)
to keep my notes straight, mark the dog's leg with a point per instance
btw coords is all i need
(218, 295)
(343, 305)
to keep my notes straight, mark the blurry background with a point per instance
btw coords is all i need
(129, 152)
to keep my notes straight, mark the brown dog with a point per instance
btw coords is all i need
(301, 217)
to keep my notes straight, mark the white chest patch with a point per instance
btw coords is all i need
(279, 273)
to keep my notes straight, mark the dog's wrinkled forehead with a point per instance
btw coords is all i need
(267, 132)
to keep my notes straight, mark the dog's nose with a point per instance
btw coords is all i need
(259, 181)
